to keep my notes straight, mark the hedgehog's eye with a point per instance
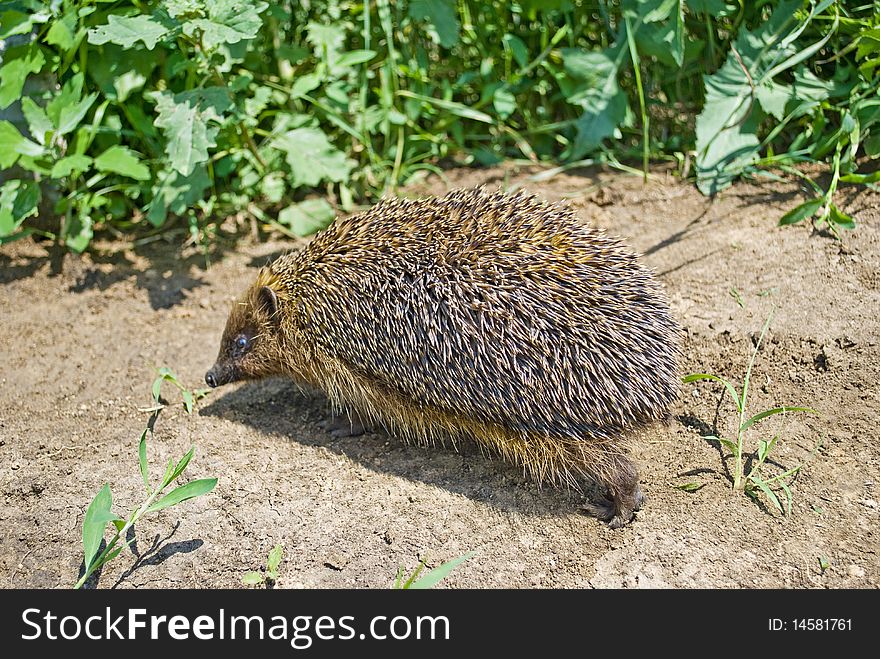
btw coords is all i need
(241, 342)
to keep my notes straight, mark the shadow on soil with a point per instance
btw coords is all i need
(279, 407)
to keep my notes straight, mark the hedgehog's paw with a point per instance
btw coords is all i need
(640, 498)
(610, 511)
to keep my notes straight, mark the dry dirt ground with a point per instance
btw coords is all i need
(79, 350)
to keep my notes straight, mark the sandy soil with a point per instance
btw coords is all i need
(79, 351)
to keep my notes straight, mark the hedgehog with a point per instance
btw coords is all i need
(499, 318)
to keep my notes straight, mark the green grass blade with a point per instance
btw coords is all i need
(142, 459)
(252, 579)
(184, 461)
(409, 582)
(708, 376)
(435, 576)
(457, 109)
(184, 492)
(775, 410)
(767, 491)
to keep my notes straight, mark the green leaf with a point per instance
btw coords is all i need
(38, 122)
(775, 410)
(731, 446)
(840, 219)
(712, 8)
(78, 230)
(874, 177)
(661, 32)
(312, 158)
(457, 109)
(182, 464)
(68, 108)
(504, 102)
(184, 120)
(122, 160)
(184, 492)
(14, 72)
(10, 138)
(71, 165)
(440, 16)
(690, 487)
(767, 491)
(307, 217)
(187, 400)
(128, 30)
(252, 579)
(594, 88)
(142, 459)
(773, 97)
(175, 193)
(707, 376)
(228, 22)
(801, 212)
(97, 516)
(19, 200)
(16, 22)
(517, 48)
(61, 33)
(275, 558)
(353, 57)
(433, 577)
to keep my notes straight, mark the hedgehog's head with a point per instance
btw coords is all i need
(250, 347)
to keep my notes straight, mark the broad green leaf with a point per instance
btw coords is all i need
(142, 459)
(17, 22)
(775, 410)
(18, 201)
(174, 193)
(504, 102)
(14, 72)
(227, 22)
(184, 492)
(707, 376)
(307, 217)
(184, 118)
(773, 97)
(71, 165)
(61, 33)
(595, 90)
(713, 8)
(312, 158)
(457, 109)
(274, 558)
(38, 122)
(651, 11)
(13, 145)
(128, 30)
(304, 84)
(94, 522)
(440, 16)
(801, 212)
(70, 116)
(68, 108)
(122, 160)
(252, 579)
(435, 576)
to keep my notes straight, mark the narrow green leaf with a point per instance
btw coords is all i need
(181, 465)
(433, 577)
(184, 492)
(95, 520)
(168, 471)
(275, 558)
(861, 178)
(767, 491)
(708, 376)
(787, 490)
(775, 410)
(353, 57)
(801, 212)
(457, 109)
(839, 218)
(187, 400)
(690, 487)
(38, 122)
(142, 459)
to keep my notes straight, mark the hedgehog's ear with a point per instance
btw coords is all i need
(268, 301)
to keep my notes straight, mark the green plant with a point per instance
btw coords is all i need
(99, 513)
(190, 396)
(753, 482)
(166, 116)
(431, 578)
(270, 576)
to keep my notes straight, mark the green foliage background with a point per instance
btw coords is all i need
(145, 117)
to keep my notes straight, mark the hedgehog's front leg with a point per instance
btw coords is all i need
(624, 494)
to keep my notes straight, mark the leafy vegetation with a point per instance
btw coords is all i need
(754, 482)
(157, 116)
(99, 513)
(270, 576)
(431, 578)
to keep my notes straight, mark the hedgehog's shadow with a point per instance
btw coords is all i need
(279, 407)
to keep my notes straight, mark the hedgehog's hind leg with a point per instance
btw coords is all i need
(621, 479)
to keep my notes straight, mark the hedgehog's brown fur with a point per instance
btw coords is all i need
(501, 318)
